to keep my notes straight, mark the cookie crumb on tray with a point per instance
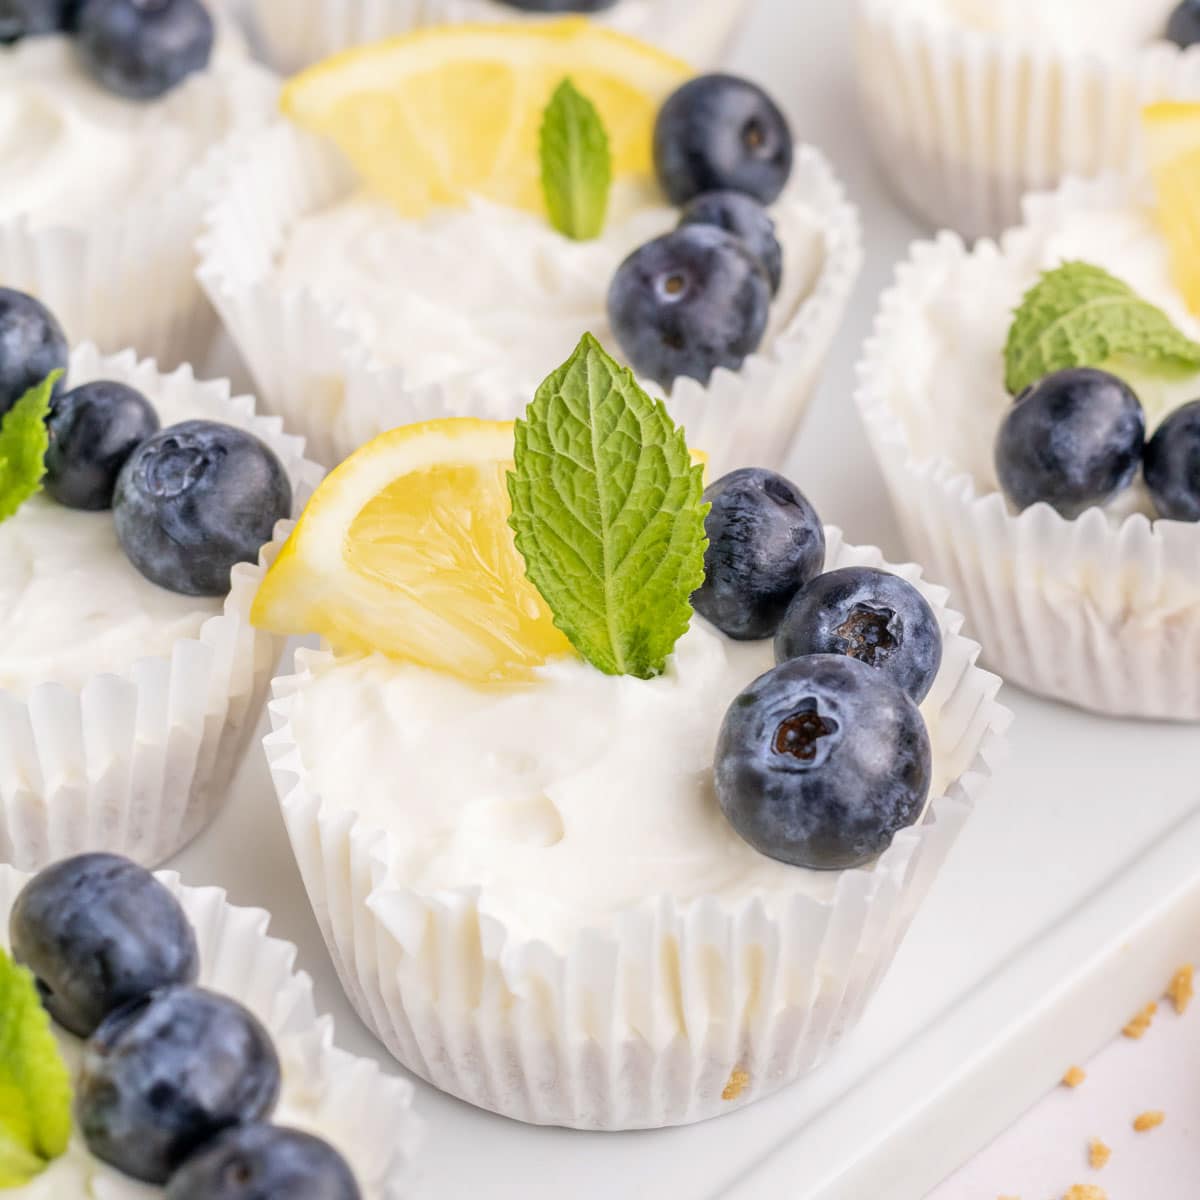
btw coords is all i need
(736, 1085)
(1181, 988)
(1098, 1154)
(1148, 1120)
(1138, 1026)
(1086, 1191)
(1074, 1077)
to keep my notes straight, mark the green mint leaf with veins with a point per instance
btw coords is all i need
(24, 441)
(608, 512)
(1079, 315)
(576, 164)
(35, 1087)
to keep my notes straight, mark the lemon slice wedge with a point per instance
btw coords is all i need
(1172, 134)
(436, 115)
(406, 549)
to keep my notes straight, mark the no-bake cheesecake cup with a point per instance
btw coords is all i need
(137, 759)
(666, 1013)
(348, 1101)
(313, 366)
(1103, 611)
(964, 122)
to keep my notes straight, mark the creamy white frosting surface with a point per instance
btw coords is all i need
(493, 292)
(564, 802)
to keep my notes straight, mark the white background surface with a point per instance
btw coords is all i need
(1026, 898)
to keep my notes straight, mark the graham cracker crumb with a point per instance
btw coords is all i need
(737, 1084)
(1086, 1191)
(1098, 1154)
(1148, 1120)
(1074, 1077)
(1138, 1026)
(1181, 989)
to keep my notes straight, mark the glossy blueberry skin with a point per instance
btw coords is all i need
(722, 133)
(93, 430)
(821, 761)
(264, 1162)
(196, 499)
(1173, 465)
(765, 542)
(141, 49)
(1183, 27)
(561, 6)
(166, 1074)
(870, 615)
(689, 302)
(98, 931)
(1073, 440)
(31, 18)
(745, 218)
(32, 344)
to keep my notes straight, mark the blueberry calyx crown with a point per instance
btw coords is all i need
(799, 734)
(870, 634)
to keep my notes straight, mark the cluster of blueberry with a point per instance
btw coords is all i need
(1077, 438)
(699, 298)
(189, 501)
(177, 1083)
(823, 759)
(136, 48)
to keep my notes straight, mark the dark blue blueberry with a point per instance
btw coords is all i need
(1173, 465)
(561, 6)
(32, 344)
(142, 49)
(98, 931)
(718, 133)
(688, 303)
(1183, 28)
(1073, 440)
(821, 761)
(745, 218)
(30, 18)
(765, 542)
(264, 1162)
(166, 1074)
(196, 499)
(867, 614)
(93, 431)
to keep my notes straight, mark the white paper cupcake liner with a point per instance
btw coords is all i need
(349, 1101)
(128, 279)
(291, 34)
(138, 762)
(1101, 613)
(964, 123)
(676, 1013)
(312, 367)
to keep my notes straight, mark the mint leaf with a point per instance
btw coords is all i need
(576, 164)
(1079, 315)
(24, 441)
(35, 1088)
(608, 513)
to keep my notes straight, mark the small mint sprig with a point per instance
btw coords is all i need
(24, 441)
(576, 164)
(1078, 315)
(35, 1086)
(608, 511)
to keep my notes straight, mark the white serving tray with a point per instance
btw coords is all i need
(1071, 897)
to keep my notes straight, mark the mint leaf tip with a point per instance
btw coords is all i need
(576, 164)
(24, 441)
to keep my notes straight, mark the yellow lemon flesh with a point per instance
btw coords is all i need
(406, 549)
(440, 114)
(1173, 144)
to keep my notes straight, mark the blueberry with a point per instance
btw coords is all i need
(196, 499)
(93, 431)
(745, 218)
(821, 761)
(765, 542)
(1173, 465)
(689, 302)
(1073, 440)
(141, 49)
(166, 1074)
(1183, 28)
(561, 6)
(719, 132)
(29, 18)
(32, 344)
(98, 931)
(867, 614)
(264, 1162)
